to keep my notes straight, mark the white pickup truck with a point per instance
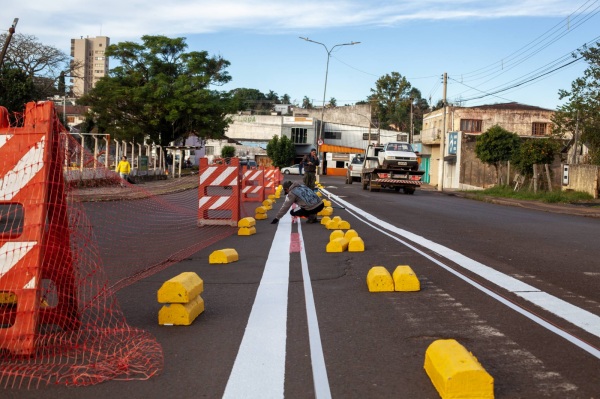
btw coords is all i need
(354, 171)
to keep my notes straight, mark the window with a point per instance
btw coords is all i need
(470, 125)
(373, 136)
(299, 135)
(210, 150)
(333, 135)
(538, 129)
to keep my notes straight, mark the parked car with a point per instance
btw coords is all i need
(354, 169)
(291, 170)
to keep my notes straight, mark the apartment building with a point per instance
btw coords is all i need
(89, 63)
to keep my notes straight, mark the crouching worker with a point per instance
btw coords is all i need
(309, 203)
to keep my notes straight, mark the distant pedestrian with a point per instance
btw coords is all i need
(123, 169)
(311, 163)
(309, 203)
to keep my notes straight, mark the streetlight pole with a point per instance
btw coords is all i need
(320, 136)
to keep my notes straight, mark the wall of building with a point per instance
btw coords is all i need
(254, 127)
(90, 63)
(584, 178)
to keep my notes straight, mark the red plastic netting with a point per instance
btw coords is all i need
(70, 238)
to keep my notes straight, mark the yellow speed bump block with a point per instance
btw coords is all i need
(350, 234)
(337, 245)
(181, 288)
(226, 255)
(456, 373)
(246, 231)
(260, 216)
(379, 279)
(405, 279)
(271, 197)
(336, 218)
(268, 204)
(356, 244)
(260, 209)
(332, 224)
(247, 222)
(326, 202)
(326, 211)
(180, 314)
(336, 234)
(325, 220)
(344, 225)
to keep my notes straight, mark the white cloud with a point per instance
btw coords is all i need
(59, 20)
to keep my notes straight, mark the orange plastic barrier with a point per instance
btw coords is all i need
(253, 185)
(35, 251)
(219, 193)
(272, 179)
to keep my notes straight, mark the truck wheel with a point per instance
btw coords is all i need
(409, 190)
(349, 179)
(364, 183)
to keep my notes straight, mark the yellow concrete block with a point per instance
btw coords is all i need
(405, 279)
(181, 288)
(337, 218)
(326, 211)
(456, 373)
(326, 203)
(336, 234)
(344, 225)
(338, 245)
(356, 244)
(7, 298)
(247, 222)
(226, 255)
(260, 216)
(379, 279)
(261, 209)
(319, 194)
(325, 220)
(350, 234)
(246, 231)
(180, 314)
(271, 197)
(332, 225)
(267, 203)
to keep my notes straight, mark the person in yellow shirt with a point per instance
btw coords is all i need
(123, 169)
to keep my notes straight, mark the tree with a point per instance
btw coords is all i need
(332, 102)
(228, 151)
(392, 96)
(285, 99)
(16, 89)
(495, 146)
(583, 105)
(160, 91)
(40, 62)
(534, 151)
(281, 151)
(306, 103)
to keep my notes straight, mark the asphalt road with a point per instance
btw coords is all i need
(517, 287)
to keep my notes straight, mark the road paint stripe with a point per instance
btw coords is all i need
(259, 368)
(320, 379)
(577, 316)
(295, 245)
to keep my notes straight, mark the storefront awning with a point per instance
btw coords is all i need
(340, 148)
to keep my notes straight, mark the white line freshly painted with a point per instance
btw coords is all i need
(575, 315)
(321, 381)
(259, 368)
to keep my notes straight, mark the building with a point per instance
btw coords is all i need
(89, 63)
(452, 163)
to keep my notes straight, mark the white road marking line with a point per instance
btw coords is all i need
(321, 381)
(259, 368)
(577, 316)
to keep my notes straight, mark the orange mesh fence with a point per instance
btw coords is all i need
(69, 240)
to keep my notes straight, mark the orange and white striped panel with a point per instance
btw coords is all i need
(219, 194)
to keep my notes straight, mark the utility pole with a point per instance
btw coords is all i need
(443, 138)
(574, 157)
(11, 31)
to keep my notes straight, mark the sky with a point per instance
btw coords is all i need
(492, 52)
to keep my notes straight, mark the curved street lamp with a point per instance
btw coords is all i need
(326, 72)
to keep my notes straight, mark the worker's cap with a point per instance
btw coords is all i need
(313, 149)
(287, 185)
